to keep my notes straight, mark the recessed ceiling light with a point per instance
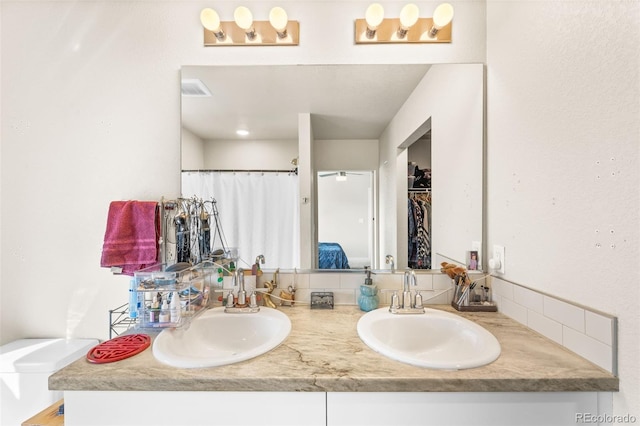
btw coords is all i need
(242, 132)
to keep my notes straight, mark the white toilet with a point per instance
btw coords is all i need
(25, 367)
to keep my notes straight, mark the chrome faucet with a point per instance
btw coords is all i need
(409, 305)
(238, 280)
(409, 280)
(256, 266)
(389, 260)
(241, 305)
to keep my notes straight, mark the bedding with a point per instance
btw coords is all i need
(332, 256)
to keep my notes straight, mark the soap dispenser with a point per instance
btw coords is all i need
(368, 299)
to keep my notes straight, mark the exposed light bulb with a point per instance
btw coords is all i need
(409, 16)
(211, 21)
(374, 17)
(279, 19)
(244, 19)
(441, 18)
(442, 15)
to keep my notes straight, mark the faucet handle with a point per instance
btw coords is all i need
(418, 300)
(230, 301)
(412, 278)
(253, 303)
(395, 301)
(390, 261)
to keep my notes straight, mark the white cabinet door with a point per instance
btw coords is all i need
(194, 408)
(444, 409)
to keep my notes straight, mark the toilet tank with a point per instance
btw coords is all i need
(25, 367)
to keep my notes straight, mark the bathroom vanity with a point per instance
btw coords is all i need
(324, 375)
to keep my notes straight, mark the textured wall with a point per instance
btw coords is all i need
(563, 152)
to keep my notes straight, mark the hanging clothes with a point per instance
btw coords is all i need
(419, 216)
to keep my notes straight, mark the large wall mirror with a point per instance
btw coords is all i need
(339, 161)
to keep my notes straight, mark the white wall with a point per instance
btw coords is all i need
(563, 154)
(250, 154)
(308, 209)
(349, 154)
(192, 151)
(451, 97)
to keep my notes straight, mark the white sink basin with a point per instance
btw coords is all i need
(217, 338)
(435, 339)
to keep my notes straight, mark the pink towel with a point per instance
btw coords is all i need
(131, 238)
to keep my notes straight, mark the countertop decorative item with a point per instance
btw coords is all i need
(467, 295)
(119, 348)
(321, 300)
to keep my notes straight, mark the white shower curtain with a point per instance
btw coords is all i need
(259, 213)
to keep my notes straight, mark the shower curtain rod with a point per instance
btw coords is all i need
(242, 171)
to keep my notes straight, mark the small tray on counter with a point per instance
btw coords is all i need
(475, 307)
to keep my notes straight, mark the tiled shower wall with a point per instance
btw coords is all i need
(582, 330)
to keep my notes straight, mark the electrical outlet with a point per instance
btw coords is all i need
(498, 258)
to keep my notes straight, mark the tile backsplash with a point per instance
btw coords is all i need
(588, 333)
(435, 288)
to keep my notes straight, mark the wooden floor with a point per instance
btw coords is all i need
(47, 417)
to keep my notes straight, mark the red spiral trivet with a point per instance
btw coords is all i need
(119, 348)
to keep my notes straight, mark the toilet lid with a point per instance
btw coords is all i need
(118, 348)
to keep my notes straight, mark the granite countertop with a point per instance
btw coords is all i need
(323, 353)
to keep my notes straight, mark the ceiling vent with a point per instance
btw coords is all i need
(194, 87)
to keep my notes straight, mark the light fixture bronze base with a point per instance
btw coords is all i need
(266, 35)
(387, 32)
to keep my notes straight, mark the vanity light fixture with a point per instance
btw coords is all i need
(244, 31)
(242, 132)
(341, 176)
(407, 28)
